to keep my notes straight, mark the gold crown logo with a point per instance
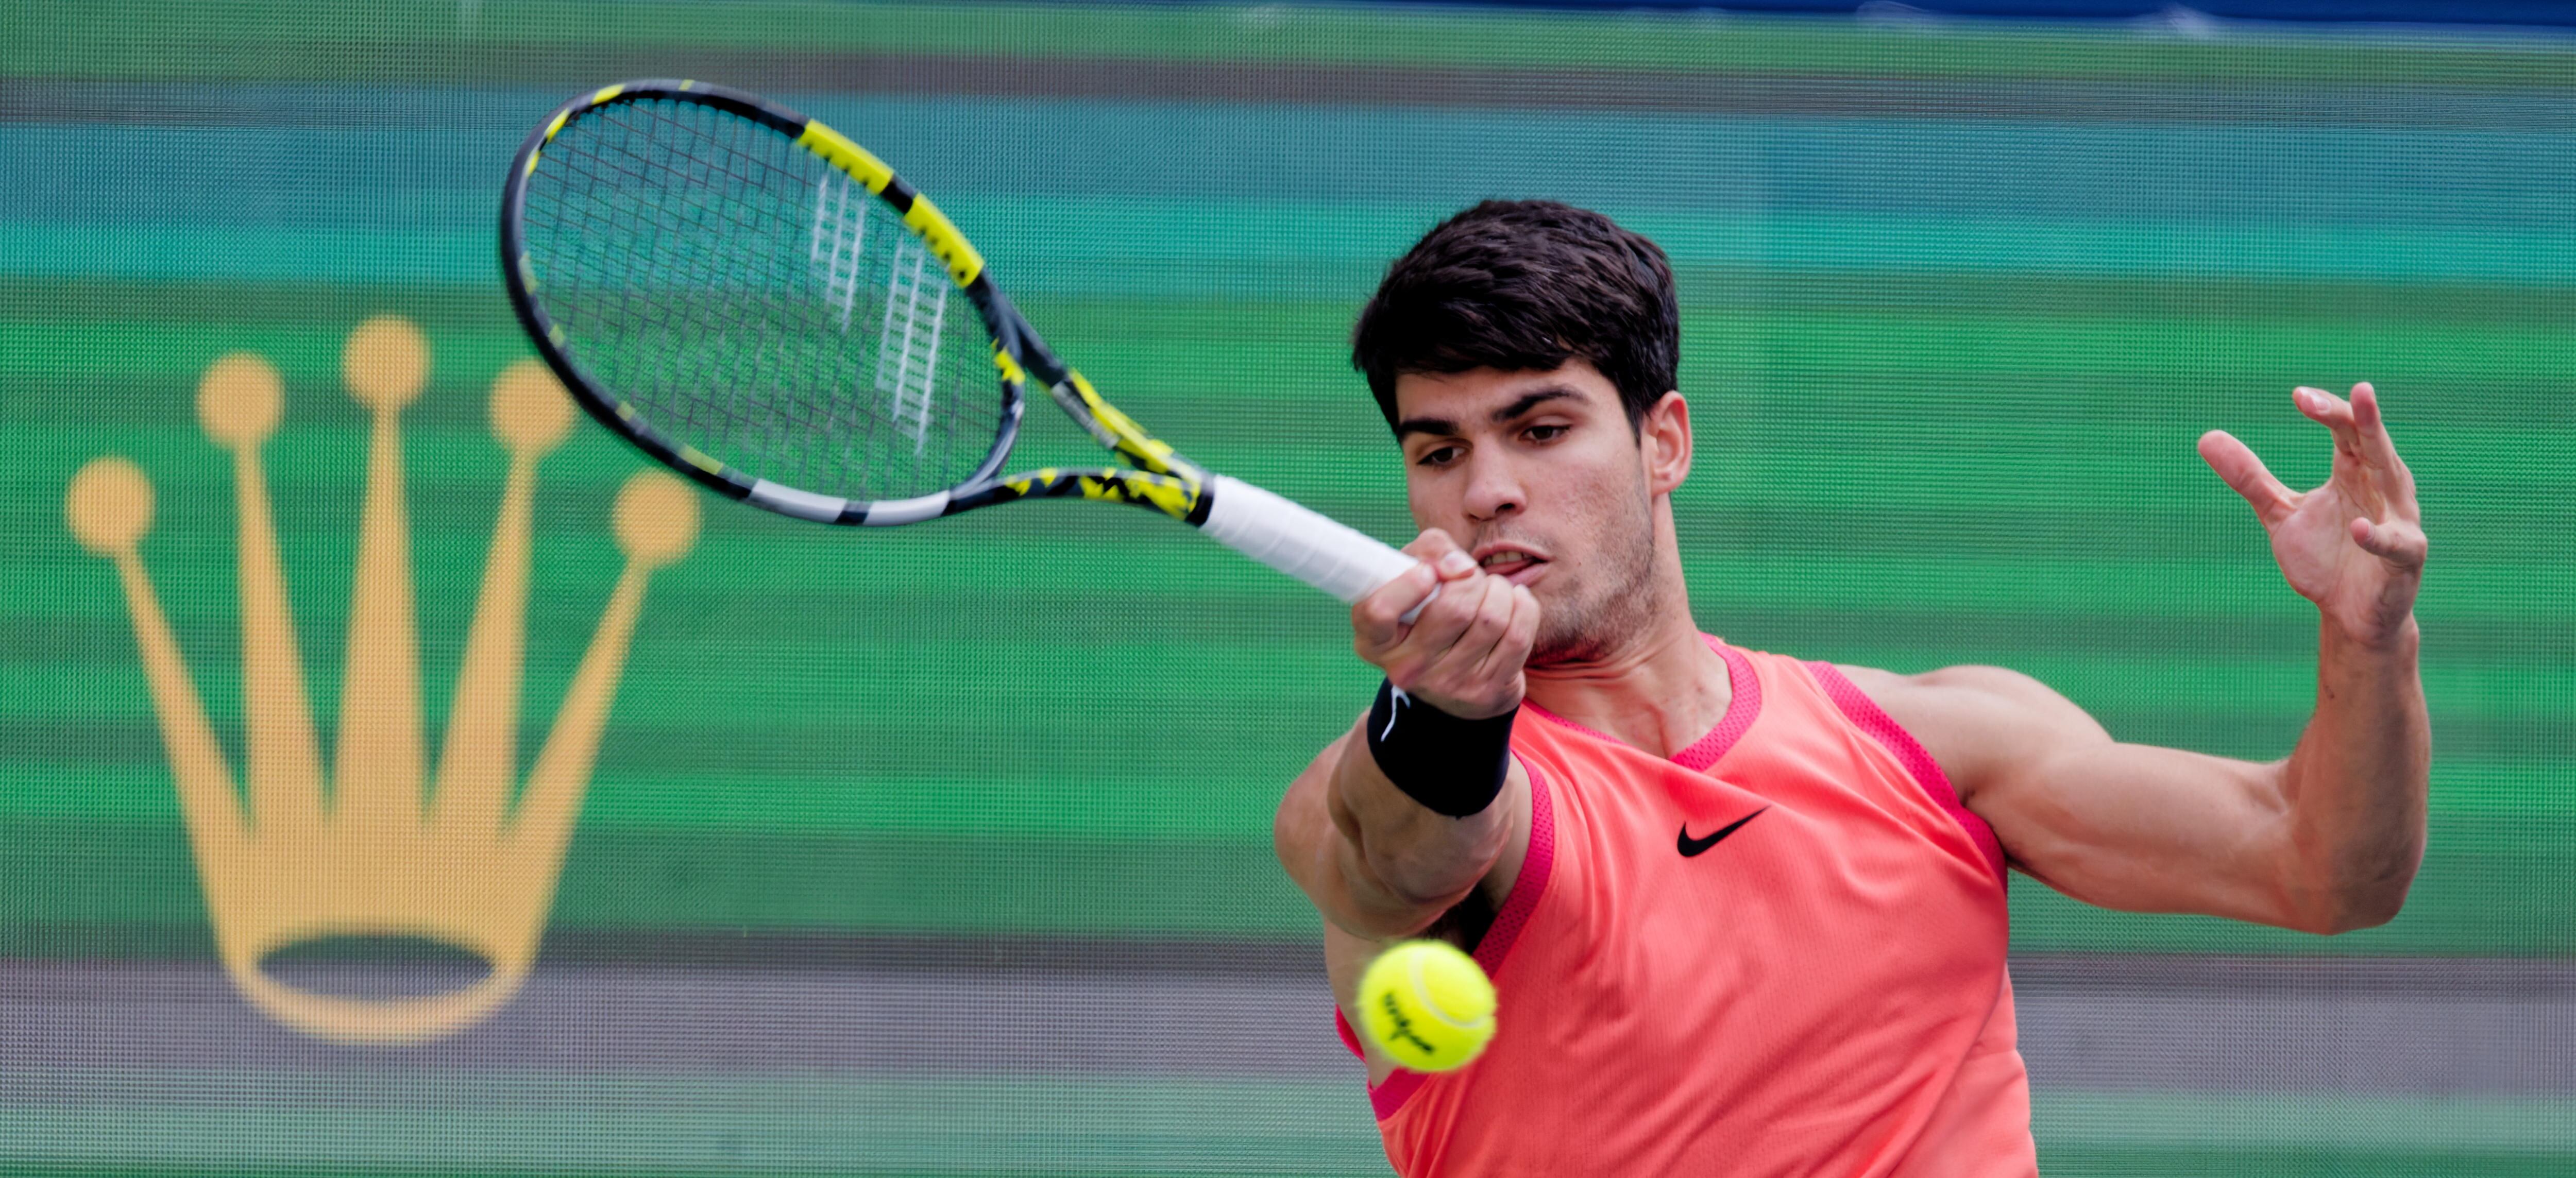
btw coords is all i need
(380, 855)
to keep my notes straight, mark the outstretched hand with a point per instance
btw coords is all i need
(2354, 546)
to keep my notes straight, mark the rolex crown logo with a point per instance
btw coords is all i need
(379, 847)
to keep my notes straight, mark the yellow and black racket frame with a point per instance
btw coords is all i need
(1161, 480)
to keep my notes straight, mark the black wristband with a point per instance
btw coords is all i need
(1456, 767)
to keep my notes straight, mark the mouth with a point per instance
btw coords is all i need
(1515, 564)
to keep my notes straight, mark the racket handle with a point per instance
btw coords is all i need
(1301, 543)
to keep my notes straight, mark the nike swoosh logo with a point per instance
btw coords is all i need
(1689, 846)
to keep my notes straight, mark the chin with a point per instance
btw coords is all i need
(1578, 629)
(1574, 644)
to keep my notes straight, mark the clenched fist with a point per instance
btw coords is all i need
(1463, 655)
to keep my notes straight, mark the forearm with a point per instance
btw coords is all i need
(1415, 805)
(1403, 862)
(2357, 786)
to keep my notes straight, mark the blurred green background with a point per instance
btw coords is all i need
(1958, 298)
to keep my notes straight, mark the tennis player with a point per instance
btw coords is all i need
(1746, 912)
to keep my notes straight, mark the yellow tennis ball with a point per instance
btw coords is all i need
(1427, 1005)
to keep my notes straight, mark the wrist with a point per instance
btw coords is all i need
(2397, 642)
(1451, 765)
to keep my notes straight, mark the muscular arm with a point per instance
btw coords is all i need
(1377, 863)
(2326, 840)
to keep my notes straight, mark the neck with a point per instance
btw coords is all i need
(1659, 687)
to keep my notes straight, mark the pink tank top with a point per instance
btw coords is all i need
(1780, 951)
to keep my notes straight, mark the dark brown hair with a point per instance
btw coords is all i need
(1520, 285)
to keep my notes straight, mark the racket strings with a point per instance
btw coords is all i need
(793, 436)
(710, 405)
(749, 300)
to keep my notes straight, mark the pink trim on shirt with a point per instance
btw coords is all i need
(1866, 715)
(1388, 1098)
(1743, 704)
(1536, 865)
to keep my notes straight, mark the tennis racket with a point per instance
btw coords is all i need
(763, 305)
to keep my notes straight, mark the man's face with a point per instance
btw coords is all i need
(1540, 477)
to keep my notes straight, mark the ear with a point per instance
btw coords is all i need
(1664, 442)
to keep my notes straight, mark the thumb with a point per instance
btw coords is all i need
(1435, 548)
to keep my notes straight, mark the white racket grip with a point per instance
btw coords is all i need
(1303, 544)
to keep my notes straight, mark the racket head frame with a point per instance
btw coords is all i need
(1163, 479)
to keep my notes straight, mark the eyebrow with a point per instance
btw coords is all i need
(1533, 400)
(1523, 404)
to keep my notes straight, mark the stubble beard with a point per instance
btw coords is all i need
(1614, 599)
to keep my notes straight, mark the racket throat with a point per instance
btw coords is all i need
(1114, 431)
(1071, 402)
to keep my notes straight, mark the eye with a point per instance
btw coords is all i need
(1440, 455)
(1545, 433)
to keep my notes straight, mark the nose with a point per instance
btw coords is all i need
(1493, 485)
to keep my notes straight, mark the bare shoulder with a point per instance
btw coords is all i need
(1966, 686)
(1977, 721)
